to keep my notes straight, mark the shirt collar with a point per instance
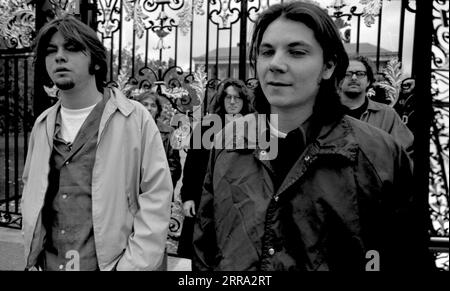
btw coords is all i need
(275, 132)
(305, 130)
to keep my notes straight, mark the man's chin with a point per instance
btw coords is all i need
(352, 94)
(65, 85)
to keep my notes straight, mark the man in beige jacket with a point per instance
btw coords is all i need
(97, 187)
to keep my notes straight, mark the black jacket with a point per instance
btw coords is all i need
(348, 193)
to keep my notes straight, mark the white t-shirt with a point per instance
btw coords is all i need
(72, 120)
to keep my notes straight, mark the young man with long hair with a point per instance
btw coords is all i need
(97, 187)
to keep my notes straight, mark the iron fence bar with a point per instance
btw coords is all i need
(208, 11)
(379, 35)
(119, 57)
(243, 42)
(132, 50)
(402, 26)
(230, 44)
(205, 100)
(358, 34)
(40, 100)
(422, 74)
(217, 53)
(191, 40)
(160, 59)
(111, 59)
(146, 48)
(7, 68)
(176, 47)
(25, 112)
(22, 52)
(16, 131)
(439, 244)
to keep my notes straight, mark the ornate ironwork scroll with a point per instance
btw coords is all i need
(439, 159)
(17, 22)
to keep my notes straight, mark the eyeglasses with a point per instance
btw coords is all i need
(359, 74)
(236, 98)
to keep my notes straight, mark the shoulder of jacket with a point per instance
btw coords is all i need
(138, 106)
(138, 110)
(46, 112)
(377, 106)
(140, 115)
(376, 145)
(366, 133)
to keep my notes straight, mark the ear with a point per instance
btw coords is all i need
(328, 70)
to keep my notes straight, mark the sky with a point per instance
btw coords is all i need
(389, 35)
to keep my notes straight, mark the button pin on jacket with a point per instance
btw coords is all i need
(262, 155)
(271, 251)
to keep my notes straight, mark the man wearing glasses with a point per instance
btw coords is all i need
(358, 79)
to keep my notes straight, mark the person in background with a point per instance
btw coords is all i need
(358, 79)
(232, 98)
(97, 189)
(337, 196)
(151, 101)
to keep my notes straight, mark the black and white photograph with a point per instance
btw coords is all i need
(249, 137)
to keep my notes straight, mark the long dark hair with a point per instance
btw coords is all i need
(218, 106)
(80, 34)
(328, 106)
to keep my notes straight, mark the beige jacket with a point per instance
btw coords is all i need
(386, 118)
(131, 187)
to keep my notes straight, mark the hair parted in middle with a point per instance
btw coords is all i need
(327, 105)
(218, 107)
(81, 35)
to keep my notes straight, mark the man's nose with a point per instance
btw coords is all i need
(278, 63)
(60, 56)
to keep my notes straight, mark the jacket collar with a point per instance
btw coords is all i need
(117, 101)
(374, 106)
(333, 139)
(338, 139)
